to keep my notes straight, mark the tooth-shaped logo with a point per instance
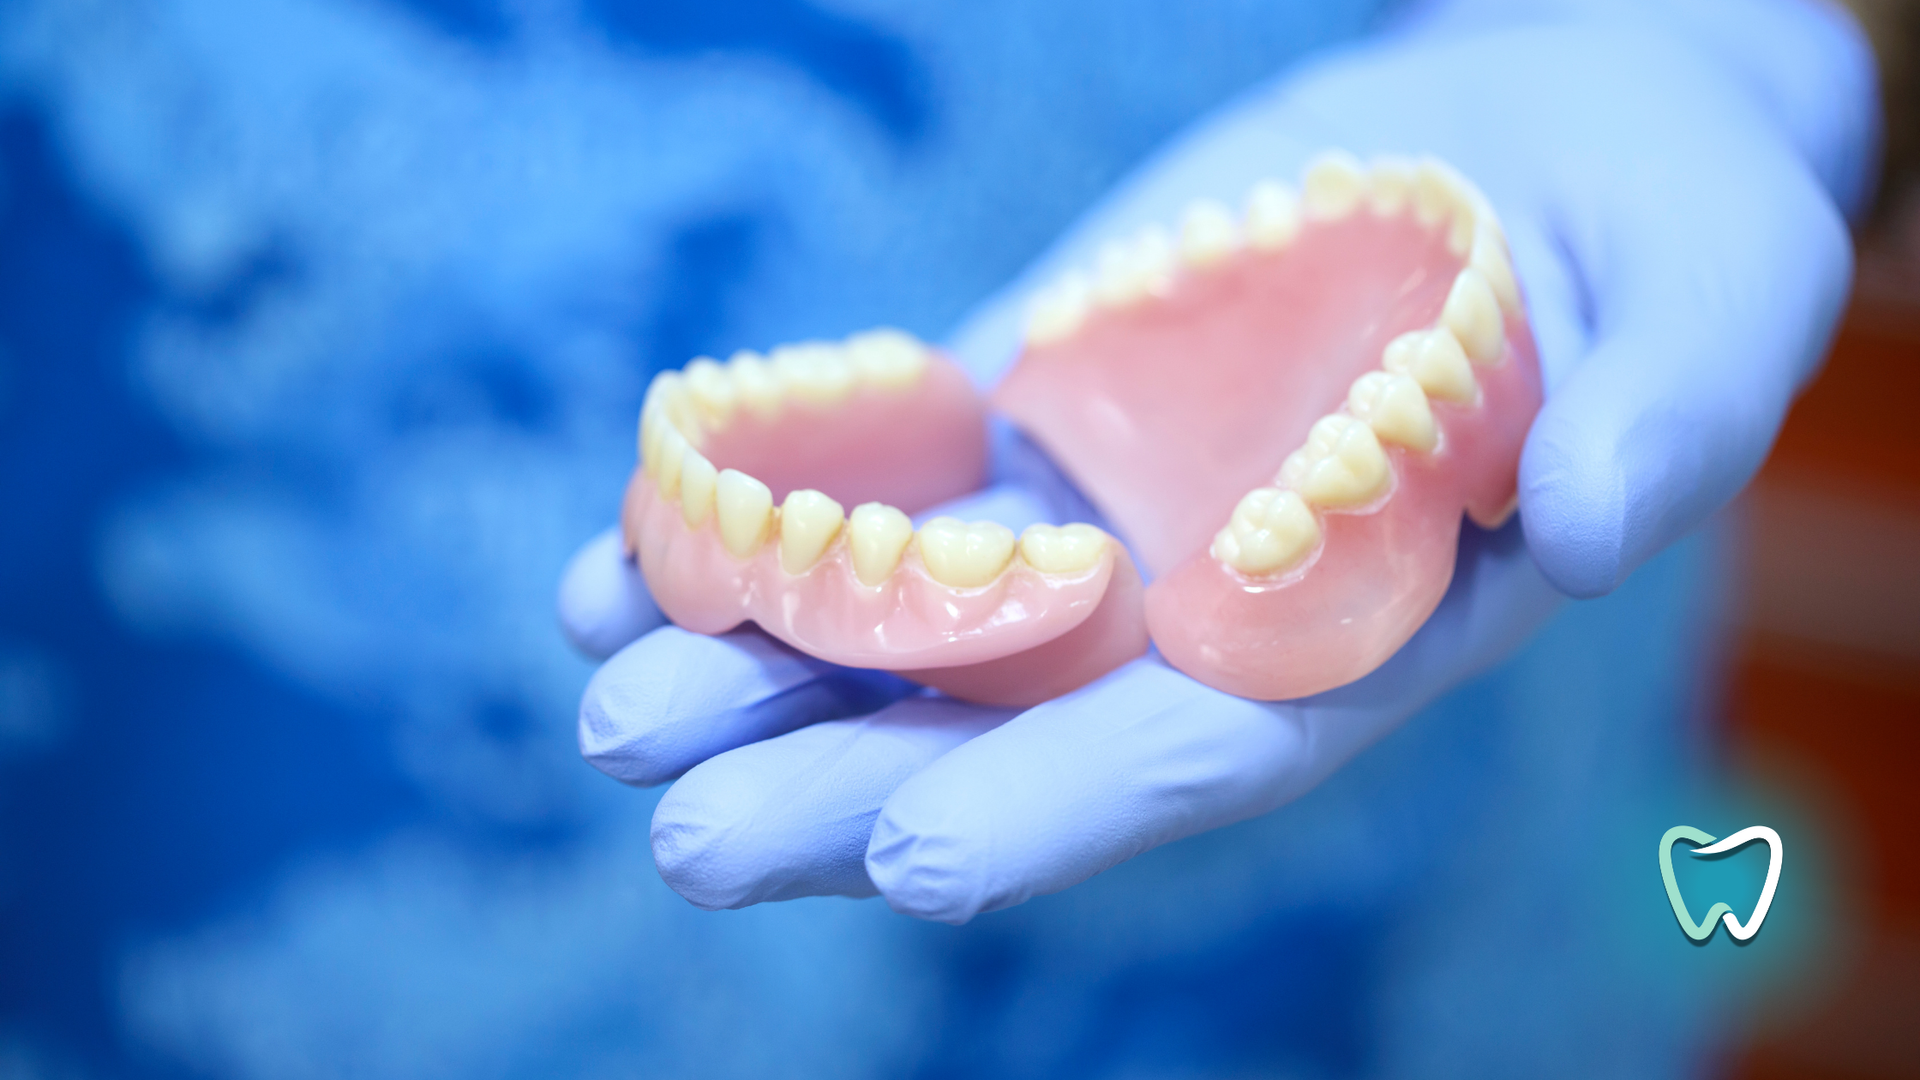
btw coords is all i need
(1704, 844)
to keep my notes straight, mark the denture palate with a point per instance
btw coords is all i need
(1287, 411)
(738, 512)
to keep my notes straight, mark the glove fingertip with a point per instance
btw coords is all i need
(603, 601)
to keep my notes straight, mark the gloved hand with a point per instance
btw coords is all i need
(1672, 179)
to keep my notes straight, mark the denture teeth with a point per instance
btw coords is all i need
(1065, 549)
(965, 555)
(1395, 408)
(1208, 233)
(1271, 530)
(887, 358)
(809, 522)
(711, 390)
(814, 371)
(1131, 270)
(1057, 310)
(1435, 360)
(1342, 464)
(759, 385)
(673, 451)
(1472, 313)
(744, 509)
(697, 480)
(1490, 259)
(650, 424)
(877, 535)
(1333, 185)
(1390, 185)
(1272, 215)
(1433, 192)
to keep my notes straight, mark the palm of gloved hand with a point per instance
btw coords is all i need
(1675, 229)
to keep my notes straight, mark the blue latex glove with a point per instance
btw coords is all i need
(1673, 180)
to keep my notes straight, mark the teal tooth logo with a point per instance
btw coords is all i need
(1705, 844)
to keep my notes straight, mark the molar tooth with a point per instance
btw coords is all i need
(963, 555)
(1395, 408)
(1333, 186)
(697, 480)
(1272, 215)
(758, 384)
(1472, 313)
(809, 521)
(1057, 310)
(885, 357)
(1130, 270)
(1433, 191)
(1490, 258)
(815, 371)
(1271, 530)
(712, 392)
(673, 452)
(1068, 549)
(877, 535)
(744, 507)
(1207, 232)
(1435, 360)
(1341, 465)
(1390, 185)
(650, 424)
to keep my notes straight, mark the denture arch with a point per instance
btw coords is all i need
(1286, 411)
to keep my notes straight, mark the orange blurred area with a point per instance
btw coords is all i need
(1827, 674)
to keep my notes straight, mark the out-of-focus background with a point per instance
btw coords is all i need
(323, 325)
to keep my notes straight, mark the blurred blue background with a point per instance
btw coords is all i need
(323, 327)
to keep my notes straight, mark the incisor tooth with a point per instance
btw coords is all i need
(1341, 465)
(888, 358)
(1435, 360)
(1333, 186)
(759, 386)
(1390, 185)
(1473, 315)
(744, 509)
(877, 535)
(1395, 408)
(965, 555)
(696, 489)
(1067, 549)
(814, 371)
(1057, 310)
(1272, 215)
(1207, 232)
(1271, 530)
(1490, 258)
(809, 521)
(673, 451)
(712, 392)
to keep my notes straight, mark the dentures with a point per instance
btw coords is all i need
(1286, 410)
(726, 533)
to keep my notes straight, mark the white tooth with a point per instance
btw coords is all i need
(696, 489)
(1473, 315)
(878, 535)
(1341, 465)
(711, 390)
(668, 393)
(745, 512)
(1272, 215)
(888, 358)
(673, 451)
(760, 387)
(650, 425)
(1056, 311)
(1207, 232)
(809, 521)
(1333, 186)
(1270, 531)
(1130, 270)
(1390, 185)
(1432, 191)
(1395, 408)
(1490, 258)
(814, 371)
(1435, 360)
(963, 555)
(1068, 549)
